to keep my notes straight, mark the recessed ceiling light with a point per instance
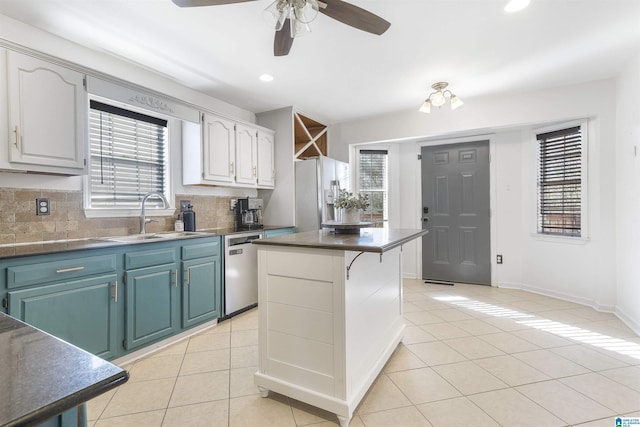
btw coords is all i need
(516, 5)
(266, 77)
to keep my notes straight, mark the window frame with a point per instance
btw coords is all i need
(122, 212)
(385, 220)
(584, 175)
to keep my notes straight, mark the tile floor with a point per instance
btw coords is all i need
(471, 356)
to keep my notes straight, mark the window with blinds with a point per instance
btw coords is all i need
(373, 170)
(560, 182)
(128, 157)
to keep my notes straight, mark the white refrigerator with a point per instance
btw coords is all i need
(318, 181)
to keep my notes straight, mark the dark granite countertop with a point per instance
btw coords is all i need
(369, 240)
(43, 376)
(58, 246)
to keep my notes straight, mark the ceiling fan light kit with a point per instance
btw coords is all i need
(291, 18)
(439, 97)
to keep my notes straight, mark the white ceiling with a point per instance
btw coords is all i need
(338, 73)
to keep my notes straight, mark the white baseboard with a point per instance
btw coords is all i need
(633, 324)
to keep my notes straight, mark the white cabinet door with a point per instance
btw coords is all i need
(218, 142)
(47, 116)
(246, 155)
(266, 159)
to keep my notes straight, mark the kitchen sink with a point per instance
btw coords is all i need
(152, 236)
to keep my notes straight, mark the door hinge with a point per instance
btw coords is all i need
(124, 344)
(419, 156)
(124, 279)
(84, 82)
(5, 302)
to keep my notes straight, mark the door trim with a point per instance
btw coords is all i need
(493, 219)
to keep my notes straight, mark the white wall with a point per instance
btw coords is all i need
(583, 272)
(628, 194)
(14, 32)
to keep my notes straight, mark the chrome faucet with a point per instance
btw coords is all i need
(143, 219)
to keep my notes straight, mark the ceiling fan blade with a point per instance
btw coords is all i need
(194, 3)
(354, 16)
(283, 41)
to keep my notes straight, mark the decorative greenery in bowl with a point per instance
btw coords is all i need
(348, 201)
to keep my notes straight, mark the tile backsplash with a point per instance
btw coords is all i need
(20, 224)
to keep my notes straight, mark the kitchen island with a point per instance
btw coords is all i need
(44, 377)
(330, 314)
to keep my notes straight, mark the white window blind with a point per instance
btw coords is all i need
(128, 157)
(373, 170)
(560, 182)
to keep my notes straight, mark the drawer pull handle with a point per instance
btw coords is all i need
(115, 291)
(67, 270)
(17, 136)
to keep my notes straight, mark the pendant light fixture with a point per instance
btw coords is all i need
(439, 98)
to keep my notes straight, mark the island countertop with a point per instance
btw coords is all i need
(44, 376)
(377, 240)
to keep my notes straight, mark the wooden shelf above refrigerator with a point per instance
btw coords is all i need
(310, 137)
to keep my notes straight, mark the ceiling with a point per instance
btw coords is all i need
(337, 73)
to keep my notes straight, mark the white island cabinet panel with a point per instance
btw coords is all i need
(324, 336)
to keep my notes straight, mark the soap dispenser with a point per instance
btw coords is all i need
(189, 218)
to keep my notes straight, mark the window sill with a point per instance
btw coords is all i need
(126, 213)
(560, 239)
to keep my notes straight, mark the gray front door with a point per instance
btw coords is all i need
(455, 210)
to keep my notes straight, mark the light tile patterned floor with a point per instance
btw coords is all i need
(471, 356)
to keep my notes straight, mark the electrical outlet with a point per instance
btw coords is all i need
(43, 207)
(184, 204)
(232, 204)
(499, 259)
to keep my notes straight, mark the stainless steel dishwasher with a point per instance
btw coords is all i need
(240, 272)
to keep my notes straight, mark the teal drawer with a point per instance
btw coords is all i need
(57, 271)
(143, 259)
(201, 250)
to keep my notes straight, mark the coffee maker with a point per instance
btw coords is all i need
(249, 214)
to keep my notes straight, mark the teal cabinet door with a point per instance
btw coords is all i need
(152, 304)
(201, 290)
(279, 232)
(81, 312)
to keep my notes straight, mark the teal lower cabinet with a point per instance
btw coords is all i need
(151, 298)
(279, 232)
(81, 312)
(110, 301)
(201, 283)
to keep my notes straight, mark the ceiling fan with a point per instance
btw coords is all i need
(293, 16)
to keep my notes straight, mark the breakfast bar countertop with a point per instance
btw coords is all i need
(377, 240)
(44, 376)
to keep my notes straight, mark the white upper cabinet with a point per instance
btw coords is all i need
(246, 155)
(218, 144)
(227, 153)
(47, 106)
(266, 159)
